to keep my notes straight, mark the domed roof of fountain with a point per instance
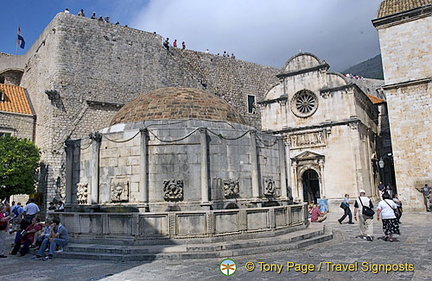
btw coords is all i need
(177, 103)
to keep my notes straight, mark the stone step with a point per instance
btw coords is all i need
(285, 242)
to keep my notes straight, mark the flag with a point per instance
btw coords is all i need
(20, 41)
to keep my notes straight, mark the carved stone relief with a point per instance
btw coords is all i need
(308, 139)
(82, 193)
(119, 190)
(269, 187)
(231, 188)
(173, 190)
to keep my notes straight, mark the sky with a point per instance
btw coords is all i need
(265, 32)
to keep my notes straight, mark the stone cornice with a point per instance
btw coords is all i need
(402, 17)
(324, 66)
(281, 98)
(407, 83)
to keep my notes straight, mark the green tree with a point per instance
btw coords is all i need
(19, 160)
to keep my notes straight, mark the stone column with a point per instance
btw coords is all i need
(321, 166)
(288, 166)
(254, 163)
(94, 189)
(144, 192)
(296, 188)
(70, 148)
(204, 168)
(282, 168)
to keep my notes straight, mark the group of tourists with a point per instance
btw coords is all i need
(30, 233)
(389, 211)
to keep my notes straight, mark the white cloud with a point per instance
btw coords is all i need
(268, 32)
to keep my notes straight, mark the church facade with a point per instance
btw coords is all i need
(330, 126)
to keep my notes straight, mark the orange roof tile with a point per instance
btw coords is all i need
(375, 100)
(389, 7)
(14, 100)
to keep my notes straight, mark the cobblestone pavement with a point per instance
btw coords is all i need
(409, 258)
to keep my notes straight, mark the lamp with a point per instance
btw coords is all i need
(381, 163)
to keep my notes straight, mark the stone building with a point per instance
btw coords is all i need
(404, 29)
(331, 127)
(17, 117)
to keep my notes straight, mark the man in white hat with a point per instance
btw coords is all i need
(365, 221)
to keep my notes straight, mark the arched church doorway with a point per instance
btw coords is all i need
(311, 187)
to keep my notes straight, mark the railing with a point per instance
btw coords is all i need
(183, 225)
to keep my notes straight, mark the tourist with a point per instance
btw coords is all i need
(365, 221)
(107, 19)
(175, 43)
(224, 54)
(381, 189)
(386, 208)
(347, 211)
(166, 43)
(60, 206)
(59, 236)
(42, 234)
(93, 16)
(66, 11)
(100, 19)
(81, 13)
(232, 56)
(426, 191)
(4, 221)
(207, 51)
(183, 45)
(52, 207)
(30, 211)
(389, 190)
(398, 203)
(317, 215)
(26, 238)
(16, 212)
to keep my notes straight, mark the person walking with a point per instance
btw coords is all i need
(365, 220)
(347, 211)
(386, 208)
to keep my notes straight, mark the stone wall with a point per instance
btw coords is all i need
(411, 139)
(184, 227)
(407, 58)
(19, 125)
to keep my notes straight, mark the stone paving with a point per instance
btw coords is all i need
(343, 258)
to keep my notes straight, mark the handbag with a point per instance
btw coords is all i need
(343, 205)
(3, 226)
(366, 211)
(396, 211)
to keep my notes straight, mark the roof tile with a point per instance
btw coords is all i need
(14, 100)
(390, 7)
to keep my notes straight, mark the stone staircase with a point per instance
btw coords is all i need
(314, 234)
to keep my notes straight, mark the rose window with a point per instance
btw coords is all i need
(304, 103)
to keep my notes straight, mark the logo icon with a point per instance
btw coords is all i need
(228, 267)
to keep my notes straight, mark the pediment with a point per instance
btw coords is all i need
(308, 155)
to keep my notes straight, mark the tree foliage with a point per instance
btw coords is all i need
(19, 160)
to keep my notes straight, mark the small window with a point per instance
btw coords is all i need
(251, 104)
(4, 134)
(2, 97)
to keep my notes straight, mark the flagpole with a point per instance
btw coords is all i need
(16, 44)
